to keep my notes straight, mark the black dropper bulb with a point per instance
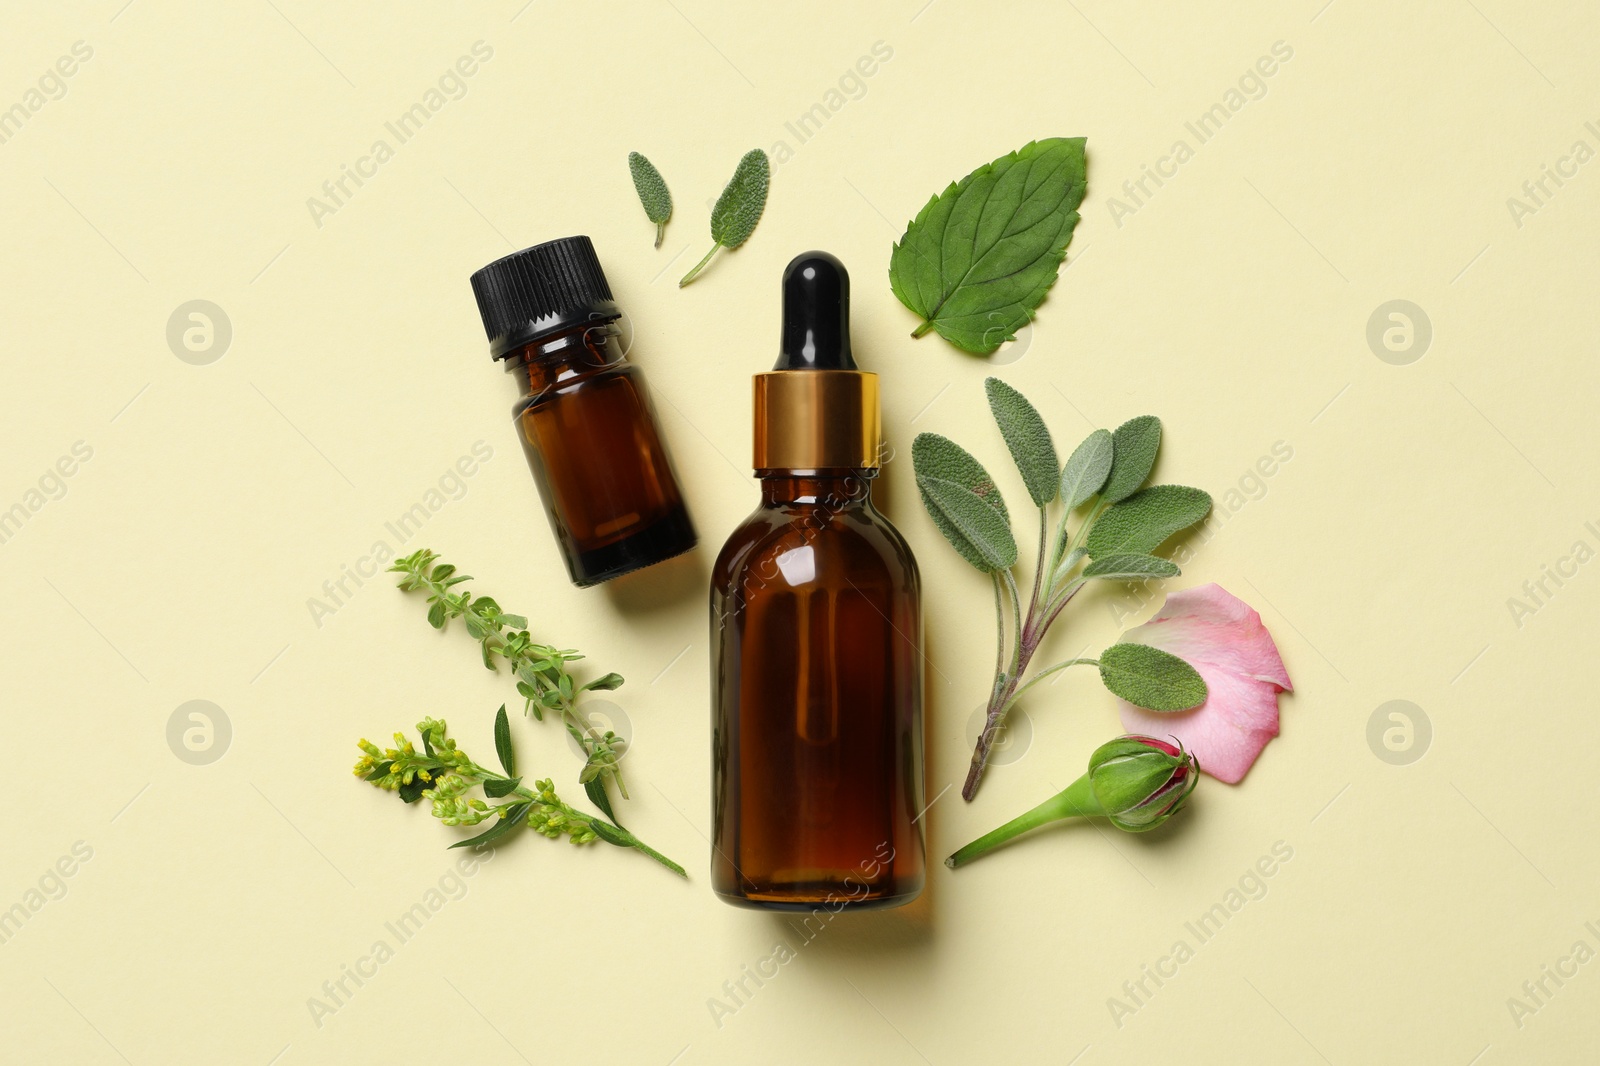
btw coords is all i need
(816, 315)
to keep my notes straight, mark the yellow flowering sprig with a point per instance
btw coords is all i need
(442, 774)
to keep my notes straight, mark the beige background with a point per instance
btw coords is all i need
(1234, 303)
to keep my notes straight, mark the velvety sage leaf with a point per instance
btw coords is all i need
(1151, 678)
(596, 789)
(979, 257)
(502, 742)
(1131, 568)
(1028, 438)
(1087, 468)
(1133, 456)
(743, 199)
(652, 190)
(976, 530)
(1142, 521)
(496, 787)
(512, 820)
(941, 457)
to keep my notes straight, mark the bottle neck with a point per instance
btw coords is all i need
(558, 357)
(838, 490)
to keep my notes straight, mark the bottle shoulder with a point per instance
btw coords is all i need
(797, 546)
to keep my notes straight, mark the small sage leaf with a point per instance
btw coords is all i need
(653, 193)
(1131, 568)
(978, 259)
(1087, 468)
(502, 742)
(1151, 678)
(1144, 520)
(1135, 444)
(739, 208)
(976, 530)
(941, 457)
(496, 787)
(1028, 438)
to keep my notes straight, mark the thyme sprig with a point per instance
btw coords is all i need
(543, 679)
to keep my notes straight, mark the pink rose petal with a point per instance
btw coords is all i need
(1222, 637)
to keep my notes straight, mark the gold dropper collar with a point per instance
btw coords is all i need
(817, 420)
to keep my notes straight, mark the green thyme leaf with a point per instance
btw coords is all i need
(1134, 447)
(605, 683)
(1131, 567)
(976, 529)
(941, 457)
(653, 193)
(739, 207)
(1028, 438)
(1151, 678)
(1144, 520)
(502, 742)
(978, 259)
(1087, 468)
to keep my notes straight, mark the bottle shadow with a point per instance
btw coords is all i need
(663, 586)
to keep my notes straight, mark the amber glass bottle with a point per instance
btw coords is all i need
(585, 420)
(816, 641)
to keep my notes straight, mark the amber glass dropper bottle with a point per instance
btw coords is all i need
(816, 640)
(584, 419)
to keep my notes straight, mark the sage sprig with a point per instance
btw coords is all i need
(653, 192)
(738, 209)
(978, 259)
(543, 679)
(1122, 525)
(443, 774)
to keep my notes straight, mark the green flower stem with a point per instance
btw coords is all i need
(699, 266)
(1076, 801)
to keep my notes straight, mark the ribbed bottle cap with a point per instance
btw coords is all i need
(540, 290)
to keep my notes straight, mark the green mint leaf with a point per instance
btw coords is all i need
(496, 787)
(1028, 438)
(738, 209)
(1087, 469)
(979, 257)
(1147, 518)
(596, 789)
(1133, 456)
(605, 684)
(502, 742)
(941, 457)
(652, 190)
(1151, 678)
(1131, 568)
(974, 528)
(514, 818)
